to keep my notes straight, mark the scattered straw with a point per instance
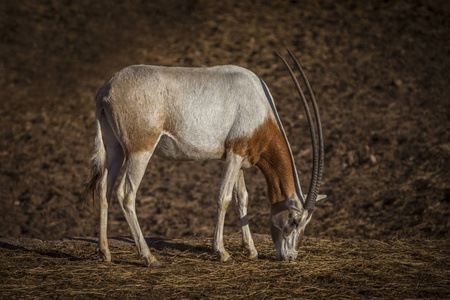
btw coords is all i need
(325, 269)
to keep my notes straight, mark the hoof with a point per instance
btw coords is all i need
(105, 259)
(253, 256)
(227, 259)
(104, 256)
(155, 264)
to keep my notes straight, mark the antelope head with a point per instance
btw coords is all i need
(290, 217)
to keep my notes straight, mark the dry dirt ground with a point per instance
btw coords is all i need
(380, 71)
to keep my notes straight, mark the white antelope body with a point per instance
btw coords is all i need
(223, 112)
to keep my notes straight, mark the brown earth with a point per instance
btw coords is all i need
(379, 69)
(380, 72)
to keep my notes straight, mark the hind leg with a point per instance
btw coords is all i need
(135, 166)
(113, 165)
(241, 197)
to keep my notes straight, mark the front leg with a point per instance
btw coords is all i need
(241, 197)
(230, 172)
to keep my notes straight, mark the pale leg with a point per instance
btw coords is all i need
(113, 165)
(229, 176)
(103, 249)
(241, 198)
(135, 166)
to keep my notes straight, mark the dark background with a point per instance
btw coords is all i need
(380, 71)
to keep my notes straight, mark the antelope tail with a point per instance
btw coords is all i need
(97, 164)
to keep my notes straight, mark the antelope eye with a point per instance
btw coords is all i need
(290, 226)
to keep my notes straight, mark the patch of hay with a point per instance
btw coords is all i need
(325, 269)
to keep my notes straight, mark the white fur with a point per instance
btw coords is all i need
(189, 114)
(184, 114)
(208, 106)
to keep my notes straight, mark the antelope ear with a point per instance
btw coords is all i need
(319, 197)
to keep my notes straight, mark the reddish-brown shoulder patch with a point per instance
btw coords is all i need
(267, 149)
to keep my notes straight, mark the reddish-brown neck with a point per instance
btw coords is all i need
(267, 149)
(275, 164)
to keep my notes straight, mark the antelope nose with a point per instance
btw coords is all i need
(288, 258)
(292, 257)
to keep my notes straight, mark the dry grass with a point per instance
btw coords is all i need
(326, 269)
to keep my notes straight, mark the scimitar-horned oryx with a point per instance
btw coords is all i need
(222, 112)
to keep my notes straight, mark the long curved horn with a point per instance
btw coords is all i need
(312, 193)
(318, 122)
